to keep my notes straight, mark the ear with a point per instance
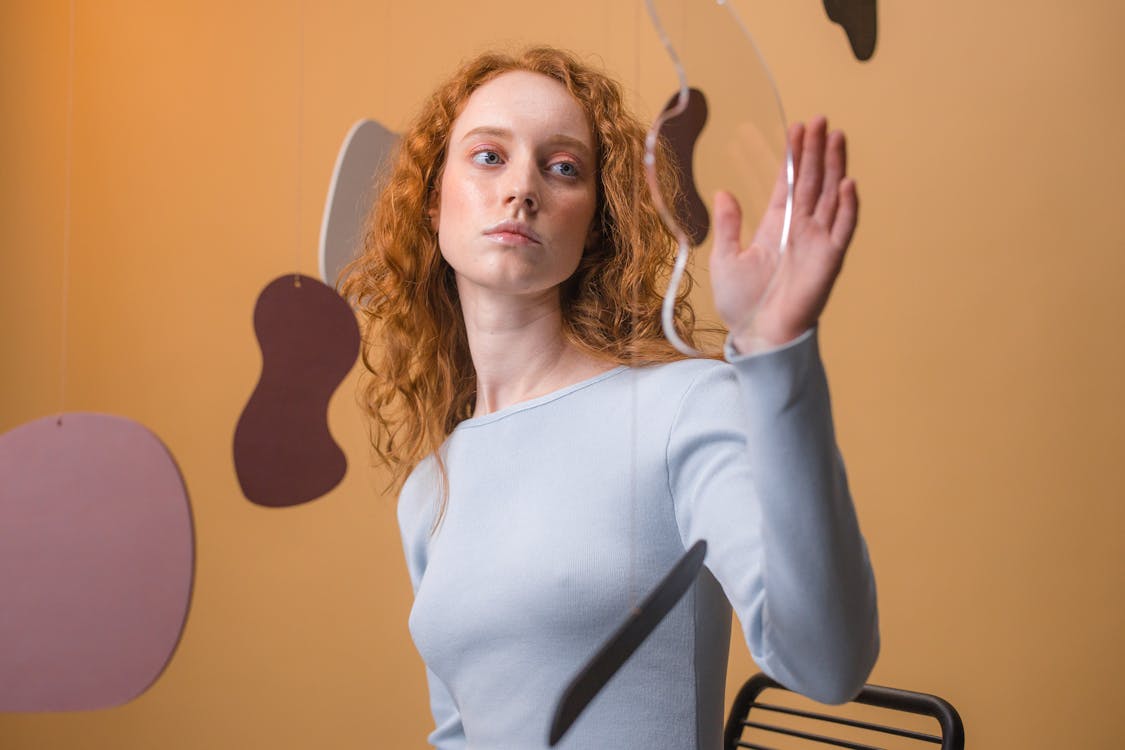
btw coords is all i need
(593, 236)
(433, 210)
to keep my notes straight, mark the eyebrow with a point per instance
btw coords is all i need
(556, 138)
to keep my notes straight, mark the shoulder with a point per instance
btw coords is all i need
(683, 372)
(682, 378)
(417, 501)
(417, 505)
(692, 389)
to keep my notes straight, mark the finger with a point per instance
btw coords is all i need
(835, 166)
(796, 138)
(811, 175)
(847, 215)
(780, 195)
(727, 225)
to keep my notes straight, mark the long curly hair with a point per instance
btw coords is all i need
(421, 381)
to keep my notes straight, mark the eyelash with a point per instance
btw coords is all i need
(484, 151)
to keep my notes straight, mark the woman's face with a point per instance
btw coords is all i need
(519, 187)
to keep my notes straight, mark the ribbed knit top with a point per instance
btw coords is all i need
(565, 510)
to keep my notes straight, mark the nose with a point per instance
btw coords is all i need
(522, 190)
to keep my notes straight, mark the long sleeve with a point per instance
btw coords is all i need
(448, 734)
(764, 484)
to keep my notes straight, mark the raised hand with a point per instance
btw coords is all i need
(765, 298)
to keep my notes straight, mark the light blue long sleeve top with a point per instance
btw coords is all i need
(565, 510)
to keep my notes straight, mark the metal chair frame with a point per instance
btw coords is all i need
(952, 731)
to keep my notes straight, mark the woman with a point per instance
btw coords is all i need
(561, 456)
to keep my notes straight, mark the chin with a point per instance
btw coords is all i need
(508, 284)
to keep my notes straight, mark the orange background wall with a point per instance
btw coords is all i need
(974, 343)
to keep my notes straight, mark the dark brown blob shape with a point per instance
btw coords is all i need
(860, 21)
(283, 452)
(621, 645)
(681, 132)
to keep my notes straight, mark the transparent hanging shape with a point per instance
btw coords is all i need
(724, 128)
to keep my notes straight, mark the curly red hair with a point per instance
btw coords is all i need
(421, 378)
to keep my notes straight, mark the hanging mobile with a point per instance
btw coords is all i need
(97, 545)
(283, 451)
(725, 129)
(859, 19)
(359, 166)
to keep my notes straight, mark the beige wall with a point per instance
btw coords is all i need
(974, 342)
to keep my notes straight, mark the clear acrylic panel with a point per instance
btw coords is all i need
(725, 127)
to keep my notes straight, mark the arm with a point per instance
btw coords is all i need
(414, 525)
(782, 526)
(754, 470)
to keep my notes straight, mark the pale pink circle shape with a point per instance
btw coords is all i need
(96, 562)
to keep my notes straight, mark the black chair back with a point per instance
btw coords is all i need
(753, 722)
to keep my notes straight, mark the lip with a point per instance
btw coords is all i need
(512, 232)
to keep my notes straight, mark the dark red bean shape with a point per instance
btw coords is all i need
(284, 453)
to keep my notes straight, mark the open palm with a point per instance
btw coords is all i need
(767, 298)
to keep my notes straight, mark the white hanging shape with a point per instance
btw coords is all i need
(360, 163)
(727, 130)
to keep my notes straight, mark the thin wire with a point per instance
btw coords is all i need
(66, 211)
(385, 67)
(633, 433)
(300, 137)
(637, 57)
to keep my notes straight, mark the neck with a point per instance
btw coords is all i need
(518, 348)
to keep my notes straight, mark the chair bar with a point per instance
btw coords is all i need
(811, 737)
(952, 728)
(752, 746)
(849, 722)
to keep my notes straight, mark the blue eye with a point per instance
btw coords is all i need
(486, 157)
(565, 168)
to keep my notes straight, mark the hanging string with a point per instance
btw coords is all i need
(385, 68)
(300, 138)
(633, 405)
(69, 159)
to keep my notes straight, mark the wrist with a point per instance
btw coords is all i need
(755, 341)
(749, 343)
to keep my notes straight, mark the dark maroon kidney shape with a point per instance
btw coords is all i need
(681, 132)
(283, 452)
